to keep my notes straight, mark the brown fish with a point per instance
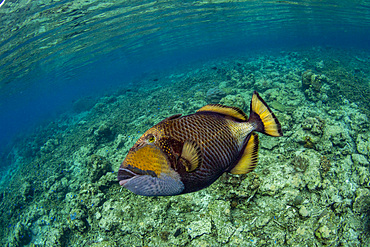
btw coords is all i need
(183, 154)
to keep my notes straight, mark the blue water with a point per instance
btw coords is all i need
(52, 53)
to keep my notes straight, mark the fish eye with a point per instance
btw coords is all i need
(151, 139)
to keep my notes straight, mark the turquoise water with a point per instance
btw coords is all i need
(52, 52)
(80, 81)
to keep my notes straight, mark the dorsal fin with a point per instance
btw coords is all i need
(234, 112)
(172, 117)
(191, 155)
(249, 158)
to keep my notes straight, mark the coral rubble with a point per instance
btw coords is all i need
(310, 188)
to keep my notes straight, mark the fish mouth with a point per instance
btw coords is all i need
(125, 175)
(146, 171)
(148, 161)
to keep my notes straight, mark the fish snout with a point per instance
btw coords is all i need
(147, 171)
(125, 173)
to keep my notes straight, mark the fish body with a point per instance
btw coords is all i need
(183, 154)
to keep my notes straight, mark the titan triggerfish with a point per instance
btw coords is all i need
(183, 154)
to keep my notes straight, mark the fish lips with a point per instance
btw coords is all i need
(125, 175)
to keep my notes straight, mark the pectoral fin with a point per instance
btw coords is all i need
(191, 155)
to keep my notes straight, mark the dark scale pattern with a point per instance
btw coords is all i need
(219, 147)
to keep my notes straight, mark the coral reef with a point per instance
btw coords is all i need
(314, 81)
(315, 86)
(300, 162)
(325, 164)
(84, 104)
(234, 100)
(214, 95)
(310, 188)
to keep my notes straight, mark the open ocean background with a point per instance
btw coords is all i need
(53, 53)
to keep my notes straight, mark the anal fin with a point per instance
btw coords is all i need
(249, 158)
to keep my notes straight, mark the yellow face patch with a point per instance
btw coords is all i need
(148, 158)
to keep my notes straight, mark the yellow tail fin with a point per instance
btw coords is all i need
(265, 120)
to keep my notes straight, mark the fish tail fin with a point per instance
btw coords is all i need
(263, 118)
